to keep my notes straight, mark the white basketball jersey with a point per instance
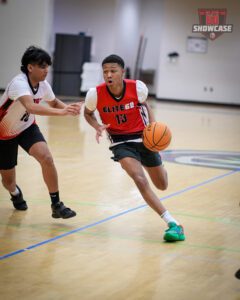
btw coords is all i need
(13, 115)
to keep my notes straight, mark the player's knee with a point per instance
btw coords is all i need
(162, 185)
(162, 181)
(46, 159)
(140, 180)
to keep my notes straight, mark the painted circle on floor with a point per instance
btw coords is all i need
(211, 159)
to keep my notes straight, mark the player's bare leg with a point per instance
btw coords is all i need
(9, 179)
(9, 182)
(41, 153)
(135, 170)
(158, 176)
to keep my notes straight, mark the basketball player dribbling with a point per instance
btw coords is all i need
(124, 113)
(18, 105)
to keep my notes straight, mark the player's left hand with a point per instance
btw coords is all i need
(75, 108)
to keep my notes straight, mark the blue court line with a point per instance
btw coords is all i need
(116, 215)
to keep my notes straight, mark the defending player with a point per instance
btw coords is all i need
(18, 105)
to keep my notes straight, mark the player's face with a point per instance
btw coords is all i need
(113, 74)
(38, 72)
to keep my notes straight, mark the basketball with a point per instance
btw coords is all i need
(156, 136)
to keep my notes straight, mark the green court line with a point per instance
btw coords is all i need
(210, 219)
(184, 214)
(151, 241)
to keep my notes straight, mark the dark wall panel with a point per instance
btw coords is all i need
(71, 51)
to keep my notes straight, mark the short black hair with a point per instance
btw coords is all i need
(113, 58)
(34, 55)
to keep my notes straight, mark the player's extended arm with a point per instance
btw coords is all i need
(150, 112)
(56, 103)
(33, 108)
(91, 119)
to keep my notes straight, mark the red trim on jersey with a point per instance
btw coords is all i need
(124, 116)
(4, 108)
(8, 137)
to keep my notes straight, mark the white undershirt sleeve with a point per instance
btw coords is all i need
(142, 91)
(91, 99)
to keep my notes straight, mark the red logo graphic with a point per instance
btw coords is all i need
(212, 23)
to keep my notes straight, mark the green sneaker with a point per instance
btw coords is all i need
(174, 233)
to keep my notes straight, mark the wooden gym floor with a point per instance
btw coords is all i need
(113, 249)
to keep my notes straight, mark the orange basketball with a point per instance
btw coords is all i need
(156, 136)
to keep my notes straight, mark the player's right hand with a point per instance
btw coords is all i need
(100, 130)
(74, 109)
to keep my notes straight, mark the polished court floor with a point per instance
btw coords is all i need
(113, 249)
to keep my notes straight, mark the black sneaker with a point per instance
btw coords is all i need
(18, 202)
(59, 210)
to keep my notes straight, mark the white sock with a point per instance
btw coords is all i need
(168, 218)
(16, 192)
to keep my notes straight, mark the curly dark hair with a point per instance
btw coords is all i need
(34, 55)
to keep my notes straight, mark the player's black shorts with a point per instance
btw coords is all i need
(9, 148)
(138, 151)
